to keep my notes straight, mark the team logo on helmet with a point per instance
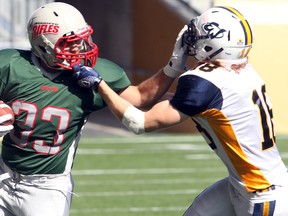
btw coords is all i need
(45, 28)
(213, 30)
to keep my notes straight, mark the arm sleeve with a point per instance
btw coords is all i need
(113, 75)
(7, 56)
(195, 94)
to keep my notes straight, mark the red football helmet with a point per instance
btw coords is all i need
(60, 37)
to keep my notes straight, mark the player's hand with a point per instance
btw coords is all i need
(190, 37)
(178, 60)
(4, 129)
(87, 77)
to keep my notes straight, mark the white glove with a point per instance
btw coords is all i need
(177, 62)
(4, 129)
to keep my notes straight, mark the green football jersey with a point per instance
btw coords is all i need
(49, 114)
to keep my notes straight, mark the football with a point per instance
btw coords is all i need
(5, 109)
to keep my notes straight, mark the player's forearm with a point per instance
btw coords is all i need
(129, 115)
(115, 103)
(154, 88)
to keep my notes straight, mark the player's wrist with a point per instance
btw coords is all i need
(96, 83)
(170, 72)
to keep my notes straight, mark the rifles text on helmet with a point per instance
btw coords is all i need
(45, 28)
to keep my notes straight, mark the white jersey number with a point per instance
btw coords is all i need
(49, 112)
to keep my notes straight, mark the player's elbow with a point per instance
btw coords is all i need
(137, 130)
(133, 119)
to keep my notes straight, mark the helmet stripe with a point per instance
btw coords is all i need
(245, 25)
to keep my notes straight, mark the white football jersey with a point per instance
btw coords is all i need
(233, 113)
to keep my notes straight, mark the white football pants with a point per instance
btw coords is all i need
(221, 199)
(34, 195)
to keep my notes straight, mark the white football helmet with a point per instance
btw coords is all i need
(60, 37)
(220, 33)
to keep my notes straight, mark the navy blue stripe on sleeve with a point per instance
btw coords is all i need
(195, 94)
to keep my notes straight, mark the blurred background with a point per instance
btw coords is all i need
(139, 35)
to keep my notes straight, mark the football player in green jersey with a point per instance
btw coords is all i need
(51, 108)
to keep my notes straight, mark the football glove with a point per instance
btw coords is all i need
(87, 77)
(177, 62)
(4, 129)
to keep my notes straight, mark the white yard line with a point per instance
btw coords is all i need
(130, 209)
(144, 182)
(284, 155)
(157, 148)
(149, 139)
(146, 171)
(137, 193)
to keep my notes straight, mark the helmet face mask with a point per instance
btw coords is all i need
(191, 36)
(221, 33)
(76, 49)
(60, 37)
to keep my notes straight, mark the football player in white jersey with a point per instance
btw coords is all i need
(51, 109)
(227, 100)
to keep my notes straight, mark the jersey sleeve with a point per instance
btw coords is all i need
(195, 94)
(113, 74)
(6, 56)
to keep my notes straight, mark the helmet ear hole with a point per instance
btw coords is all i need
(42, 49)
(208, 48)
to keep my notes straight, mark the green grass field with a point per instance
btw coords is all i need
(147, 175)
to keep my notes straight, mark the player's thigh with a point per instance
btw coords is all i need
(281, 207)
(6, 197)
(4, 212)
(213, 201)
(51, 198)
(47, 203)
(6, 200)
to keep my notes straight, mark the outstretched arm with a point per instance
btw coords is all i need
(161, 115)
(151, 90)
